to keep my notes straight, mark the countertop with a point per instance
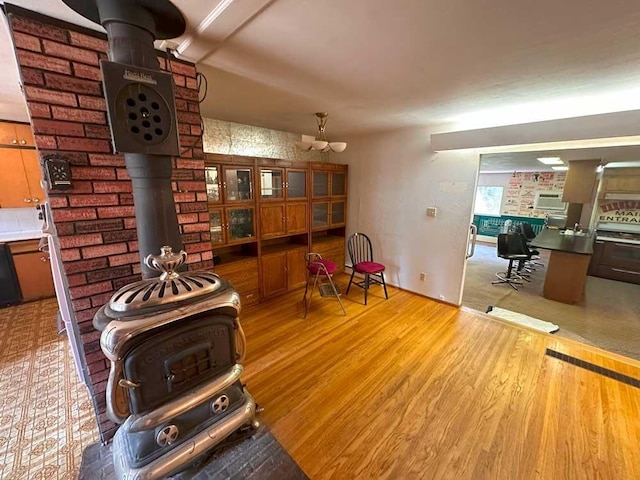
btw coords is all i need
(551, 239)
(23, 235)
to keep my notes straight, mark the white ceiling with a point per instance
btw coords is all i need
(528, 161)
(375, 64)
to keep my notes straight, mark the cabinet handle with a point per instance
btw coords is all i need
(23, 142)
(621, 270)
(625, 245)
(14, 141)
(36, 199)
(27, 200)
(43, 259)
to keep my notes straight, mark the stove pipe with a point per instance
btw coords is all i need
(145, 131)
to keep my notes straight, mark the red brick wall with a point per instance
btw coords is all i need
(95, 219)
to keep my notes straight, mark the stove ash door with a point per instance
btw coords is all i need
(170, 361)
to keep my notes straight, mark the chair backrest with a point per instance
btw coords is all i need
(360, 249)
(511, 244)
(527, 230)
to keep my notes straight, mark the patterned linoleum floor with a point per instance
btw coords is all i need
(46, 416)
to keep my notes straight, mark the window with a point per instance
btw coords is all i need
(488, 200)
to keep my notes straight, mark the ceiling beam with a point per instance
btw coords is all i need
(571, 131)
(222, 22)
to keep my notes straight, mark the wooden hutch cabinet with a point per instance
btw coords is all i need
(263, 220)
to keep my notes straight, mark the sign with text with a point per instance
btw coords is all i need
(619, 211)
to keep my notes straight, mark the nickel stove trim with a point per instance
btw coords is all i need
(188, 452)
(160, 415)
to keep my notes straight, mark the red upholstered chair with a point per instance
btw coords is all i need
(361, 254)
(321, 270)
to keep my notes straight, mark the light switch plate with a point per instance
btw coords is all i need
(432, 211)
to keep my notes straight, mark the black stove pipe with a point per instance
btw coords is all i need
(132, 26)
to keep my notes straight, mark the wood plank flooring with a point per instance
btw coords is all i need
(411, 388)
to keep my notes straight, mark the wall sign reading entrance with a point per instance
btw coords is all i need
(621, 211)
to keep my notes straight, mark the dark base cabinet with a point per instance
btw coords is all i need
(616, 261)
(10, 291)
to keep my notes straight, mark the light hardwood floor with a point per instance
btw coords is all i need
(411, 388)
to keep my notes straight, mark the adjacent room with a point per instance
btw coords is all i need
(257, 239)
(528, 188)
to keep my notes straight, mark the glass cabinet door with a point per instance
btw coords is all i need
(320, 184)
(296, 184)
(320, 215)
(240, 225)
(271, 184)
(337, 213)
(238, 184)
(215, 226)
(212, 179)
(338, 184)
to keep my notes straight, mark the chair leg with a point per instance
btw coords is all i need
(384, 285)
(353, 272)
(308, 303)
(366, 287)
(335, 292)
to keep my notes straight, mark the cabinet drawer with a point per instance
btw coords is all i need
(621, 274)
(248, 298)
(244, 282)
(621, 255)
(245, 266)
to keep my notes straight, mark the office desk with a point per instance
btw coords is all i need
(568, 264)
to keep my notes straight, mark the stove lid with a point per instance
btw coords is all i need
(169, 289)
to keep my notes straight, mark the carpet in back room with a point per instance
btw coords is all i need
(608, 317)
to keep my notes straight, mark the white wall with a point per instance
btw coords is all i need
(393, 177)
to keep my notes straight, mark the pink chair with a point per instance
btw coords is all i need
(321, 271)
(361, 254)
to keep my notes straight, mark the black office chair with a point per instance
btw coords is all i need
(529, 235)
(511, 246)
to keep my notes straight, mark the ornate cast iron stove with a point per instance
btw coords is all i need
(175, 343)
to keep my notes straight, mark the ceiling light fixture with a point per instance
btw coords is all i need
(561, 169)
(550, 160)
(321, 143)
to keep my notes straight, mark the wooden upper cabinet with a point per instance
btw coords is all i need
(277, 184)
(14, 188)
(338, 184)
(581, 181)
(16, 134)
(272, 184)
(20, 179)
(320, 182)
(238, 184)
(617, 181)
(24, 135)
(33, 173)
(213, 180)
(296, 186)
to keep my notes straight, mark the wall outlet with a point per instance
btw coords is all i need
(432, 211)
(423, 277)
